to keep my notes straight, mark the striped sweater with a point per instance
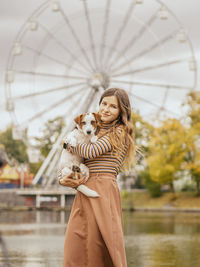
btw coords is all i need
(100, 156)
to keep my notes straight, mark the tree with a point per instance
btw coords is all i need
(143, 133)
(15, 149)
(192, 161)
(50, 133)
(168, 148)
(3, 157)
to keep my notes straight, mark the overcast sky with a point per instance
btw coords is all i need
(14, 13)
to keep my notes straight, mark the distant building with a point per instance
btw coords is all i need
(13, 176)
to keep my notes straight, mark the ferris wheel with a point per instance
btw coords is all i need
(68, 52)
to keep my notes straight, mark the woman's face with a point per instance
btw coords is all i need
(109, 109)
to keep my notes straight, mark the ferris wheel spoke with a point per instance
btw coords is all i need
(153, 104)
(145, 51)
(120, 31)
(150, 67)
(76, 38)
(47, 91)
(104, 34)
(64, 47)
(49, 75)
(76, 103)
(165, 97)
(148, 84)
(53, 106)
(134, 39)
(90, 33)
(54, 59)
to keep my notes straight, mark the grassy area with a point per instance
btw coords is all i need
(131, 200)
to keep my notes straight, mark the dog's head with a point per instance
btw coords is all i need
(88, 123)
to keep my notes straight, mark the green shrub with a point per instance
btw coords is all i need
(154, 188)
(188, 187)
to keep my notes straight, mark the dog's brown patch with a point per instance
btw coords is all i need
(79, 119)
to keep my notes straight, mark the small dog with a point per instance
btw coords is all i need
(87, 127)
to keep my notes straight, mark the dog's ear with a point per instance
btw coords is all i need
(97, 116)
(78, 119)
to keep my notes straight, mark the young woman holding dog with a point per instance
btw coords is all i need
(94, 235)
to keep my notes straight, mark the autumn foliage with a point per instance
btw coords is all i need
(174, 147)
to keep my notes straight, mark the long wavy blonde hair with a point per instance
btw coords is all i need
(125, 124)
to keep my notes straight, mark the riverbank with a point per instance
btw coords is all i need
(179, 201)
(137, 200)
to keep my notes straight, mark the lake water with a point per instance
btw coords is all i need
(36, 238)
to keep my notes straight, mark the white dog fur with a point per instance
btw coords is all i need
(84, 132)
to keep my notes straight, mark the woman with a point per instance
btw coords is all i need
(94, 236)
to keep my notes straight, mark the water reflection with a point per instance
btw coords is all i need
(4, 251)
(168, 223)
(162, 239)
(18, 217)
(36, 238)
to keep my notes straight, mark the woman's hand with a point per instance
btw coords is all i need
(69, 181)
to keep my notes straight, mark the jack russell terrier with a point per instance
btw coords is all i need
(87, 126)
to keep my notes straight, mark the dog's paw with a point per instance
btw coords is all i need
(84, 170)
(94, 139)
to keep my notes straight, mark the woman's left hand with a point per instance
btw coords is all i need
(69, 181)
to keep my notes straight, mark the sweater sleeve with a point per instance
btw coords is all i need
(93, 150)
